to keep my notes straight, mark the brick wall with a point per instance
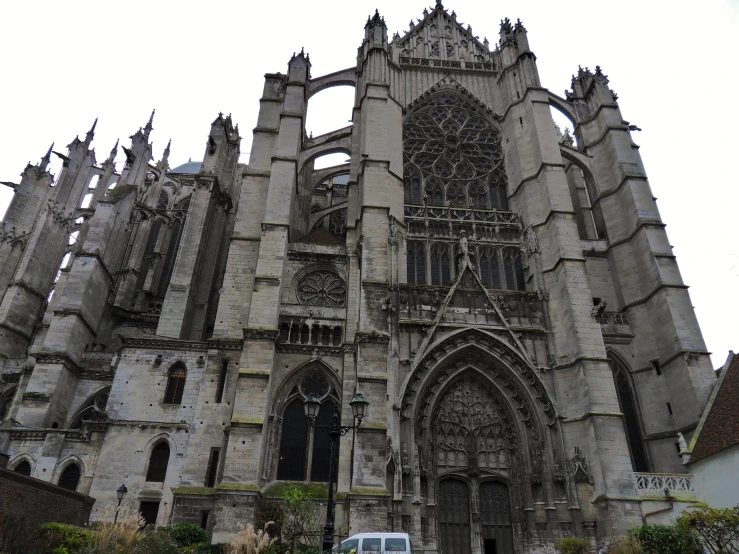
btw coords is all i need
(41, 502)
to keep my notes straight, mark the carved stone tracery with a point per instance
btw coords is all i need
(322, 288)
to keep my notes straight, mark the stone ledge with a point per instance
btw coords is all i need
(369, 377)
(247, 422)
(238, 487)
(369, 491)
(261, 373)
(194, 491)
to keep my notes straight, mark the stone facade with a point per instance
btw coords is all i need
(505, 297)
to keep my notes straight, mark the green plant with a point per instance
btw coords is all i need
(302, 524)
(717, 528)
(270, 511)
(66, 538)
(186, 534)
(626, 545)
(572, 545)
(155, 542)
(665, 539)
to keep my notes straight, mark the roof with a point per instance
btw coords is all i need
(719, 426)
(189, 167)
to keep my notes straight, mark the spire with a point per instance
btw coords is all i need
(45, 160)
(165, 155)
(91, 133)
(113, 153)
(149, 127)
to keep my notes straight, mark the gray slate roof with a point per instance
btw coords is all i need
(189, 167)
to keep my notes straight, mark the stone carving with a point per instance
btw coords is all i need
(579, 468)
(531, 242)
(469, 429)
(322, 288)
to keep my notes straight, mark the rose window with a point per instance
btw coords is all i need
(322, 288)
(445, 139)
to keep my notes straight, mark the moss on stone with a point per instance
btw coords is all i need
(120, 191)
(194, 491)
(314, 491)
(247, 421)
(373, 425)
(235, 486)
(369, 491)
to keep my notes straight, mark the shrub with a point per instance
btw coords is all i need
(626, 545)
(66, 538)
(717, 529)
(155, 542)
(270, 511)
(15, 534)
(572, 545)
(665, 539)
(186, 534)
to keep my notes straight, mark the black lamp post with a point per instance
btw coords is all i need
(121, 493)
(335, 430)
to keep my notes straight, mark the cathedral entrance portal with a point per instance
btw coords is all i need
(473, 456)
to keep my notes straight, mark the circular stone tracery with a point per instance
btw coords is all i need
(446, 139)
(322, 288)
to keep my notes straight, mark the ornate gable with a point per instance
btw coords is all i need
(440, 36)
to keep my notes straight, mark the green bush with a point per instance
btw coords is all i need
(572, 545)
(626, 545)
(186, 534)
(156, 542)
(66, 539)
(666, 539)
(717, 529)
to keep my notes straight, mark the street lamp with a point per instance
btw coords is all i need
(359, 410)
(121, 493)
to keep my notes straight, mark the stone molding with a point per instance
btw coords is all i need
(164, 344)
(261, 333)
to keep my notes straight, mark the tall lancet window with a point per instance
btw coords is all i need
(629, 408)
(305, 452)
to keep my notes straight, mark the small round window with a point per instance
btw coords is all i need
(314, 383)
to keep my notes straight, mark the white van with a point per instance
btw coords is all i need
(376, 542)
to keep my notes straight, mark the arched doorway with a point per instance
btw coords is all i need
(474, 448)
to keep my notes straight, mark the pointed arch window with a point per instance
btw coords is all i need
(23, 468)
(627, 403)
(416, 262)
(513, 267)
(490, 267)
(304, 452)
(440, 264)
(158, 462)
(478, 195)
(5, 400)
(434, 192)
(498, 190)
(70, 477)
(175, 385)
(456, 195)
(412, 186)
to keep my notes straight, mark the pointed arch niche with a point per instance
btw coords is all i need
(299, 452)
(475, 417)
(629, 405)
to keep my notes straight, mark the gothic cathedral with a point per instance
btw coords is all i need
(503, 295)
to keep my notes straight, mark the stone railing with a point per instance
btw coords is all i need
(428, 62)
(658, 482)
(449, 221)
(612, 318)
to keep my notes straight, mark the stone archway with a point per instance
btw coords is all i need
(475, 448)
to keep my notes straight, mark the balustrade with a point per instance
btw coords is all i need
(659, 482)
(310, 332)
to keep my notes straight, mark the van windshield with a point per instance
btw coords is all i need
(350, 546)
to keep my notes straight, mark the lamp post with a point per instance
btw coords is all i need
(121, 493)
(335, 430)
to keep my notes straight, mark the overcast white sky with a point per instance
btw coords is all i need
(672, 63)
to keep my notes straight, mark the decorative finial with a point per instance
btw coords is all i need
(165, 155)
(149, 123)
(45, 160)
(91, 133)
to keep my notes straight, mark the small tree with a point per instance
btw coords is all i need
(301, 528)
(717, 529)
(572, 545)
